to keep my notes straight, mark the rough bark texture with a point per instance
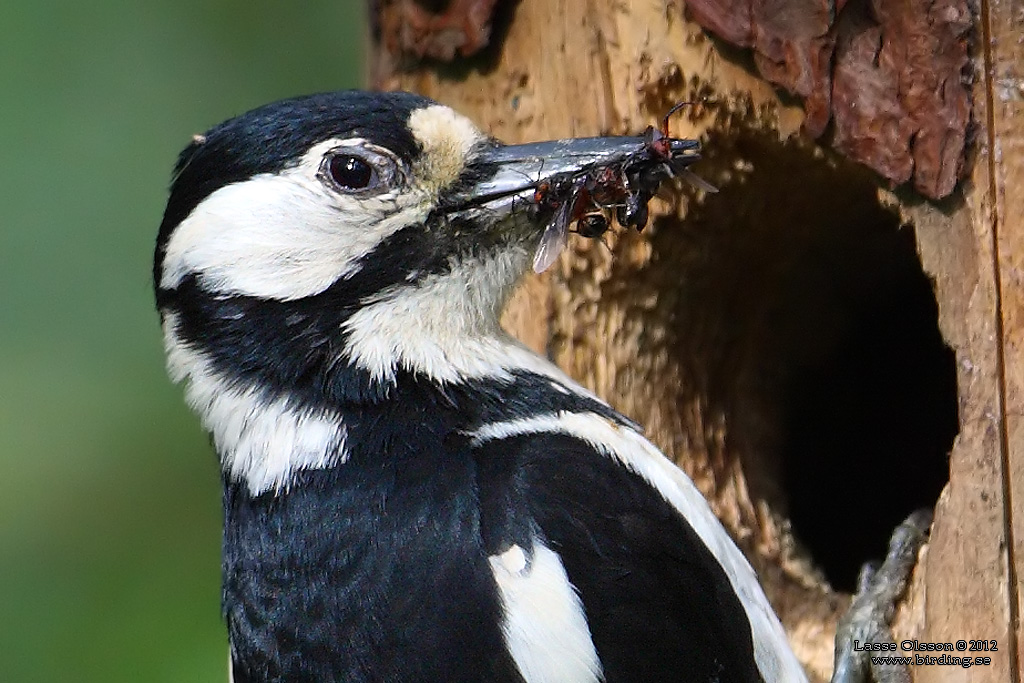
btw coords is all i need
(900, 102)
(892, 74)
(792, 41)
(410, 29)
(702, 326)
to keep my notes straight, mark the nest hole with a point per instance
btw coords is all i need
(803, 313)
(869, 424)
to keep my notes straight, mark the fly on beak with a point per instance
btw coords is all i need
(577, 180)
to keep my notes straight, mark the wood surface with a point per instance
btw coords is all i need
(648, 321)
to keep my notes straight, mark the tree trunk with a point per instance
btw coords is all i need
(780, 340)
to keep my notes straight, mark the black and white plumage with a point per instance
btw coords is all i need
(409, 493)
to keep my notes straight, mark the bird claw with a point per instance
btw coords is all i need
(868, 619)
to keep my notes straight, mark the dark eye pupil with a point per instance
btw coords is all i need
(350, 172)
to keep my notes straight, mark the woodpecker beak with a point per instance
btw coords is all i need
(558, 183)
(519, 171)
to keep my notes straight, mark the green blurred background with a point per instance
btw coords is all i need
(109, 510)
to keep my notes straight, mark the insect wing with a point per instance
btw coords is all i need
(555, 236)
(695, 180)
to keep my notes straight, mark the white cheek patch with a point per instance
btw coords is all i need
(447, 138)
(772, 653)
(260, 443)
(284, 236)
(545, 627)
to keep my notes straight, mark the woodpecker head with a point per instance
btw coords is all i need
(319, 207)
(314, 250)
(348, 192)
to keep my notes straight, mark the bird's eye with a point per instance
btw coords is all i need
(351, 173)
(360, 168)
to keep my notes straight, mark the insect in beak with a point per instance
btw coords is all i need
(583, 181)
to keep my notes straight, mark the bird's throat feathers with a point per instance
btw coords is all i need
(274, 382)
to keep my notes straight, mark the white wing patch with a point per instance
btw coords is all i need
(772, 652)
(545, 627)
(261, 443)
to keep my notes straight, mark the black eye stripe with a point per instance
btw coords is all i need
(351, 172)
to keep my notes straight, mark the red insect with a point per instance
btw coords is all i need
(586, 198)
(659, 140)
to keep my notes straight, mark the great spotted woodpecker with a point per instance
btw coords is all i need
(409, 493)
